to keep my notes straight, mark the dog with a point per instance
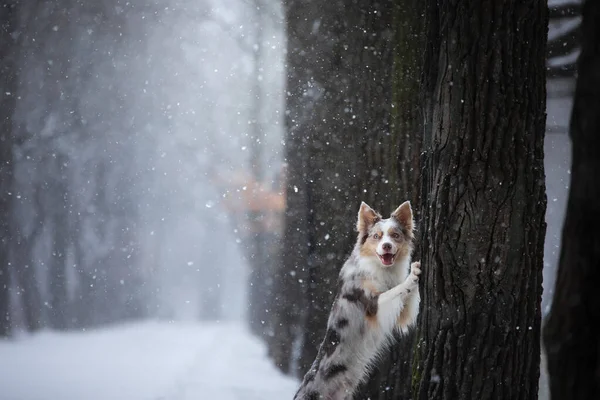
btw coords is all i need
(377, 295)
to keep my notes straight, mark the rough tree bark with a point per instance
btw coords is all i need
(483, 215)
(8, 85)
(571, 336)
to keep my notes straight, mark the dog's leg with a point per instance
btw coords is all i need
(408, 315)
(393, 301)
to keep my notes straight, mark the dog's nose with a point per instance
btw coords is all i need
(387, 247)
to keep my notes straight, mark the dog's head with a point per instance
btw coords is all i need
(389, 240)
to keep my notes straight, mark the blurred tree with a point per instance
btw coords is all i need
(40, 210)
(571, 336)
(257, 244)
(353, 112)
(8, 87)
(25, 225)
(24, 267)
(483, 216)
(391, 378)
(337, 106)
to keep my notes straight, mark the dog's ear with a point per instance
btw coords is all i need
(404, 215)
(367, 217)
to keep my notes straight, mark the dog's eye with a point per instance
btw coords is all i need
(396, 235)
(375, 236)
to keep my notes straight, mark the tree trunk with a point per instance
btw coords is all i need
(57, 277)
(571, 336)
(325, 165)
(391, 378)
(8, 85)
(483, 213)
(59, 302)
(83, 299)
(287, 292)
(258, 290)
(26, 282)
(341, 149)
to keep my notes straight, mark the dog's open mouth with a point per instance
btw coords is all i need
(387, 258)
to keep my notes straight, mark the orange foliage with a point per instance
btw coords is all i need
(245, 194)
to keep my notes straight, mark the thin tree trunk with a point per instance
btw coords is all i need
(85, 292)
(59, 302)
(26, 282)
(571, 334)
(8, 86)
(57, 276)
(484, 202)
(257, 255)
(287, 292)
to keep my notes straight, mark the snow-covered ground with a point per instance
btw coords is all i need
(142, 361)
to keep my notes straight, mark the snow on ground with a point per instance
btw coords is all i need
(142, 361)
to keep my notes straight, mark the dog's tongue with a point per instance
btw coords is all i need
(387, 258)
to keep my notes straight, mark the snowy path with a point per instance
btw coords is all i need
(145, 361)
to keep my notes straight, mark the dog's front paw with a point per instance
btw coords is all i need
(415, 271)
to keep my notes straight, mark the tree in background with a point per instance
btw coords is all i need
(8, 86)
(571, 336)
(353, 134)
(337, 108)
(262, 242)
(391, 379)
(483, 216)
(39, 209)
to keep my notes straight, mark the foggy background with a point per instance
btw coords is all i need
(136, 124)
